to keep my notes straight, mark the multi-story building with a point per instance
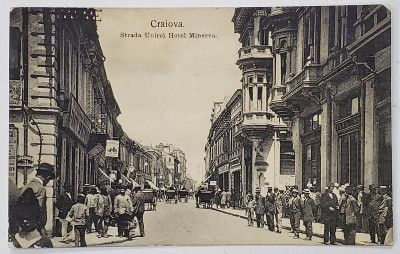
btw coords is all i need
(266, 136)
(333, 89)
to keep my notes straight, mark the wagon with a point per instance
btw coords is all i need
(171, 195)
(150, 198)
(183, 194)
(205, 198)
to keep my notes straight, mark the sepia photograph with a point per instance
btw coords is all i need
(200, 126)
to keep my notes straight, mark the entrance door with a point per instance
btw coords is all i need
(312, 164)
(350, 171)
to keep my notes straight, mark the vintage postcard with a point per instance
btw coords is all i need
(200, 126)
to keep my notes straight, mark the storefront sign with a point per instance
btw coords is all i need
(213, 183)
(347, 124)
(78, 122)
(12, 154)
(25, 161)
(223, 168)
(15, 98)
(112, 148)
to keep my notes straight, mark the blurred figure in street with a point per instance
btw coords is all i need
(103, 211)
(385, 220)
(139, 208)
(329, 210)
(342, 202)
(270, 209)
(79, 214)
(217, 198)
(296, 209)
(28, 218)
(317, 200)
(280, 205)
(362, 199)
(44, 174)
(375, 200)
(335, 190)
(259, 208)
(91, 205)
(350, 217)
(223, 198)
(228, 198)
(64, 203)
(308, 214)
(251, 204)
(123, 209)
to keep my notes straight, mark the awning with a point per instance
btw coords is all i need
(134, 182)
(152, 185)
(208, 177)
(125, 180)
(103, 178)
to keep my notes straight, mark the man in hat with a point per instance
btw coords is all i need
(64, 203)
(372, 212)
(385, 220)
(123, 210)
(90, 203)
(280, 203)
(329, 212)
(308, 213)
(44, 174)
(295, 210)
(362, 202)
(259, 208)
(138, 204)
(270, 209)
(351, 210)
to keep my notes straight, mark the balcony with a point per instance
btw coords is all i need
(257, 123)
(255, 52)
(277, 105)
(306, 82)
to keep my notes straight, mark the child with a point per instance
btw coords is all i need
(28, 217)
(79, 213)
(250, 210)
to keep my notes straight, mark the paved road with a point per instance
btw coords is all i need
(183, 224)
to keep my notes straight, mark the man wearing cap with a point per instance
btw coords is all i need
(123, 209)
(385, 220)
(138, 204)
(362, 202)
(90, 203)
(350, 217)
(259, 208)
(329, 210)
(270, 209)
(308, 213)
(295, 210)
(64, 203)
(372, 212)
(280, 203)
(44, 174)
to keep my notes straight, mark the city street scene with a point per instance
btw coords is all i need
(200, 126)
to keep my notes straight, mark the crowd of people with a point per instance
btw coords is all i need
(95, 210)
(345, 207)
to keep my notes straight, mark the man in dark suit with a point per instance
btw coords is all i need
(138, 205)
(64, 203)
(309, 211)
(270, 208)
(259, 208)
(329, 213)
(372, 211)
(296, 208)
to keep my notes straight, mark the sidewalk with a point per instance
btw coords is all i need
(92, 239)
(318, 228)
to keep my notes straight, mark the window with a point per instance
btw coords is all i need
(251, 98)
(259, 98)
(283, 68)
(312, 122)
(260, 79)
(15, 53)
(349, 107)
(250, 80)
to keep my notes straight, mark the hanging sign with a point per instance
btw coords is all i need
(112, 148)
(12, 154)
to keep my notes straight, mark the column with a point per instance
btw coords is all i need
(298, 149)
(278, 66)
(277, 166)
(264, 98)
(255, 92)
(370, 142)
(256, 30)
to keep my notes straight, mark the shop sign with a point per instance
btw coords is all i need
(25, 161)
(261, 13)
(112, 148)
(78, 122)
(12, 154)
(223, 168)
(213, 183)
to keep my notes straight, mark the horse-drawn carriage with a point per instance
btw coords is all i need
(205, 198)
(150, 199)
(183, 195)
(171, 195)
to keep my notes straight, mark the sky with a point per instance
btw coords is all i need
(165, 87)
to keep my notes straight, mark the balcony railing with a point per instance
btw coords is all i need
(257, 118)
(308, 76)
(255, 51)
(373, 18)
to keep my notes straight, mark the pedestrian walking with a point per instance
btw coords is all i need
(342, 203)
(217, 198)
(317, 200)
(329, 211)
(223, 198)
(385, 220)
(270, 208)
(259, 208)
(251, 204)
(309, 212)
(122, 209)
(350, 217)
(91, 205)
(362, 198)
(102, 210)
(139, 208)
(28, 219)
(372, 212)
(296, 208)
(228, 199)
(280, 205)
(79, 214)
(44, 174)
(63, 204)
